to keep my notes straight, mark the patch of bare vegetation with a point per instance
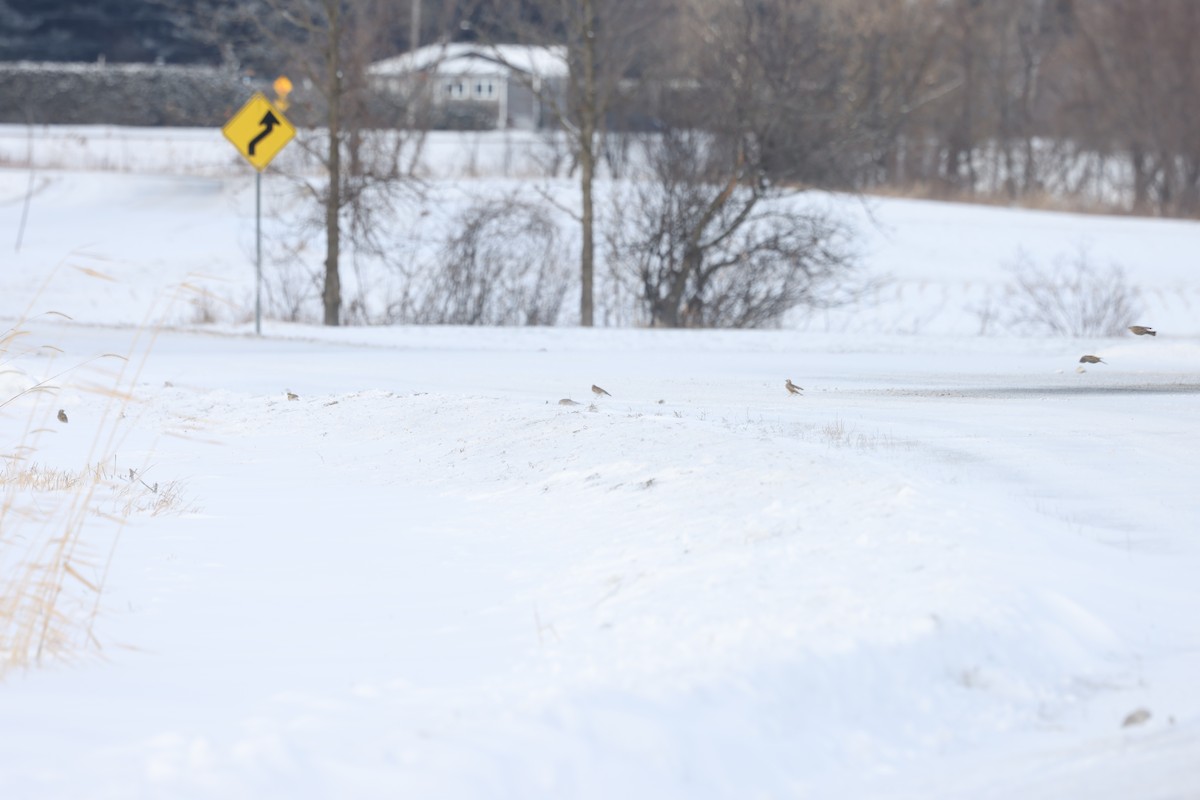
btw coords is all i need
(121, 493)
(1070, 297)
(60, 523)
(836, 434)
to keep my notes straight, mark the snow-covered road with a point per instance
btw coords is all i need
(951, 568)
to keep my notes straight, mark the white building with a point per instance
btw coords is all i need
(503, 83)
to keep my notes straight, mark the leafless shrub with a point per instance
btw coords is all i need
(711, 244)
(505, 264)
(291, 289)
(1070, 298)
(783, 260)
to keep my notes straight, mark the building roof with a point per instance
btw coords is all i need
(469, 58)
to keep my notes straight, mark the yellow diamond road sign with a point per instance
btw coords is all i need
(259, 131)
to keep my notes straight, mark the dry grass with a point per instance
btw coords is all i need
(49, 584)
(836, 434)
(60, 524)
(1033, 201)
(120, 493)
(41, 478)
(51, 521)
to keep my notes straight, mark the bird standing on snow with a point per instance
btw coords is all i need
(1136, 717)
(62, 415)
(596, 390)
(1142, 330)
(1091, 360)
(791, 387)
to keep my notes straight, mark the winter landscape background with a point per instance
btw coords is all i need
(960, 565)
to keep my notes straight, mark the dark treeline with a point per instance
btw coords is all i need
(1022, 100)
(113, 30)
(1091, 102)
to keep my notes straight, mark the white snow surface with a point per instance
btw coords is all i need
(952, 568)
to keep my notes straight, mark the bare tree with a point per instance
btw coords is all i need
(603, 42)
(1143, 103)
(713, 239)
(1040, 29)
(892, 50)
(330, 44)
(712, 244)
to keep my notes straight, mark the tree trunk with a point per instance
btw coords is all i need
(333, 204)
(588, 123)
(1141, 180)
(587, 165)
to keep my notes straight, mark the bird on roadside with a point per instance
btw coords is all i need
(791, 387)
(62, 415)
(1136, 717)
(596, 390)
(1142, 330)
(1091, 360)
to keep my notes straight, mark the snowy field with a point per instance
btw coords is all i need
(955, 567)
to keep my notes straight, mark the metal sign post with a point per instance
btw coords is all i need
(258, 253)
(258, 131)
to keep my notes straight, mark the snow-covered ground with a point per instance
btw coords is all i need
(155, 208)
(953, 568)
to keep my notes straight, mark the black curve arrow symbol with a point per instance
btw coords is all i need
(269, 121)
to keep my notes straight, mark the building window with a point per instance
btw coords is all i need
(485, 89)
(456, 89)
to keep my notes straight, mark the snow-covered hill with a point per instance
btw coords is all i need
(155, 208)
(953, 568)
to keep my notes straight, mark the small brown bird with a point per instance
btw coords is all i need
(293, 396)
(62, 415)
(1142, 330)
(1091, 360)
(596, 390)
(1136, 717)
(791, 387)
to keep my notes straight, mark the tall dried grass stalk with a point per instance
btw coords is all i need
(59, 526)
